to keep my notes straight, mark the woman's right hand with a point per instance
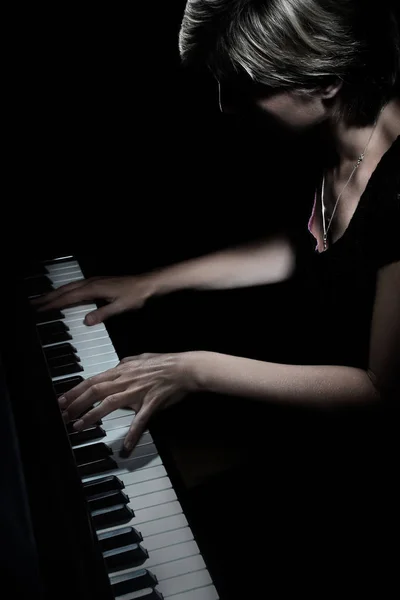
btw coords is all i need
(121, 293)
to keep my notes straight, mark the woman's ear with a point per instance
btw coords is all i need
(331, 90)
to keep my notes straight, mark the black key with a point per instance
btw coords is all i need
(36, 286)
(133, 582)
(100, 466)
(60, 387)
(113, 498)
(67, 369)
(60, 350)
(80, 437)
(110, 517)
(48, 315)
(63, 359)
(91, 453)
(119, 537)
(70, 425)
(126, 557)
(105, 484)
(51, 333)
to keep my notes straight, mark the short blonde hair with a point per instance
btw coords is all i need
(301, 45)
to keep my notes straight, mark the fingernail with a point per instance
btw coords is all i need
(90, 320)
(78, 425)
(62, 401)
(65, 416)
(125, 451)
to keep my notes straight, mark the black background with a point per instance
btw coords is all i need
(117, 152)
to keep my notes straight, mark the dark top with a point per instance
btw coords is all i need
(336, 288)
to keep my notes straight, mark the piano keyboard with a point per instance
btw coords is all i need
(148, 547)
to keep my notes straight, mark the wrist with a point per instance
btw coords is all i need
(195, 368)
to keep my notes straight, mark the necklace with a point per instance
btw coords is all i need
(359, 161)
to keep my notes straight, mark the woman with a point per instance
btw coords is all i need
(331, 66)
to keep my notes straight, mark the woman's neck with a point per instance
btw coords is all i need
(349, 142)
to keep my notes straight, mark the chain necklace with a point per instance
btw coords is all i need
(359, 161)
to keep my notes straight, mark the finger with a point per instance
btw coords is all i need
(96, 393)
(58, 292)
(109, 404)
(77, 295)
(101, 314)
(136, 430)
(66, 399)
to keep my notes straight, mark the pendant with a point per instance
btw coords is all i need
(325, 244)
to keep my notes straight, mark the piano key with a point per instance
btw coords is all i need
(166, 555)
(136, 580)
(179, 567)
(182, 583)
(112, 516)
(66, 384)
(140, 489)
(163, 525)
(70, 425)
(48, 316)
(91, 370)
(66, 277)
(63, 359)
(99, 466)
(205, 593)
(83, 339)
(107, 499)
(146, 594)
(169, 538)
(126, 557)
(53, 333)
(117, 538)
(58, 351)
(92, 433)
(137, 463)
(69, 368)
(49, 329)
(157, 512)
(92, 452)
(105, 484)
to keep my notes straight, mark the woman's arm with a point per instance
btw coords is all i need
(320, 386)
(265, 261)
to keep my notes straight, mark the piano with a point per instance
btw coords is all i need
(92, 524)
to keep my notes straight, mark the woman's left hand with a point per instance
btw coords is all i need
(145, 383)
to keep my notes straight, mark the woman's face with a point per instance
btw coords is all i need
(292, 110)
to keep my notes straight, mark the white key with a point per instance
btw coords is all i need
(163, 525)
(184, 583)
(117, 414)
(168, 538)
(66, 277)
(95, 359)
(157, 512)
(119, 422)
(104, 347)
(179, 567)
(205, 593)
(147, 487)
(149, 500)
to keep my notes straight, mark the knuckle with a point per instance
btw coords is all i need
(112, 401)
(96, 389)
